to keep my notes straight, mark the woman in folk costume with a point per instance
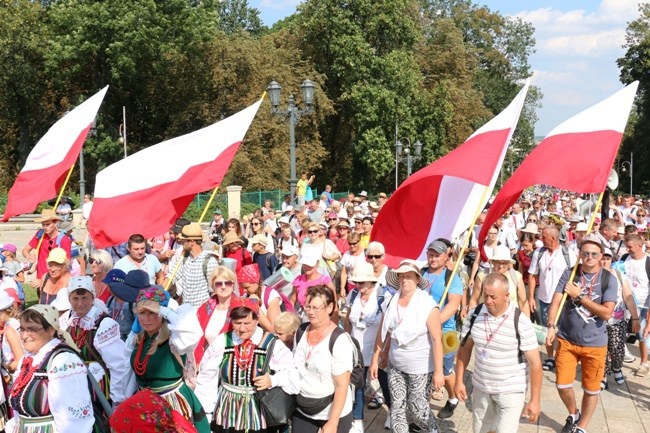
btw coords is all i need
(213, 313)
(97, 336)
(233, 366)
(50, 393)
(160, 341)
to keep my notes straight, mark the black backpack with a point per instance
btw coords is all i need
(472, 319)
(358, 377)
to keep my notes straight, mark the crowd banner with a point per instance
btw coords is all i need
(576, 156)
(444, 198)
(50, 162)
(147, 191)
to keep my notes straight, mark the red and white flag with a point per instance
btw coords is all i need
(146, 192)
(441, 200)
(577, 155)
(49, 161)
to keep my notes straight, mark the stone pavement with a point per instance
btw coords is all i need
(622, 409)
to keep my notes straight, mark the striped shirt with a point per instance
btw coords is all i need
(496, 366)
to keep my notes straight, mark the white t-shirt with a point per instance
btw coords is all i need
(410, 345)
(635, 271)
(317, 366)
(551, 267)
(365, 318)
(150, 265)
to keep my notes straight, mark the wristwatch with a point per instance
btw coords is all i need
(577, 299)
(551, 326)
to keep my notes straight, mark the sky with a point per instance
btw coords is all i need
(577, 45)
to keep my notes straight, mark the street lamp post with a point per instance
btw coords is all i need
(293, 113)
(122, 130)
(630, 166)
(404, 154)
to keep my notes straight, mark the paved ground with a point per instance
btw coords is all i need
(622, 409)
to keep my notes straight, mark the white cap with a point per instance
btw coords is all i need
(289, 250)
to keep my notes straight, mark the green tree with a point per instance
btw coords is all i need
(634, 66)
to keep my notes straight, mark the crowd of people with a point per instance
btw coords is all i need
(292, 320)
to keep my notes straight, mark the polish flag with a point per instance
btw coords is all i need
(442, 199)
(576, 156)
(146, 192)
(50, 160)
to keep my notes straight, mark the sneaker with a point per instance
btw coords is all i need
(387, 422)
(603, 384)
(642, 370)
(628, 356)
(579, 430)
(448, 410)
(619, 378)
(376, 403)
(549, 364)
(570, 424)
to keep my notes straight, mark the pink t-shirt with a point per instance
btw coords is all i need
(301, 284)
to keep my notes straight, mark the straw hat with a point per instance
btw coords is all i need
(191, 231)
(231, 238)
(392, 276)
(48, 215)
(363, 271)
(57, 255)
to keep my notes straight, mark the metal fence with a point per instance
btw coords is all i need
(255, 198)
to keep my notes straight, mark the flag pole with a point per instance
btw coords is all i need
(575, 267)
(56, 204)
(465, 242)
(178, 263)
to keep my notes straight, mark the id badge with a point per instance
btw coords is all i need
(361, 324)
(484, 355)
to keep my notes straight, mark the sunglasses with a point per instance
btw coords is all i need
(375, 256)
(93, 261)
(493, 233)
(223, 284)
(311, 232)
(256, 224)
(331, 219)
(353, 244)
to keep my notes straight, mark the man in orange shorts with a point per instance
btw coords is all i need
(582, 334)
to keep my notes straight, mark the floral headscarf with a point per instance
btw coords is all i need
(249, 274)
(147, 412)
(154, 293)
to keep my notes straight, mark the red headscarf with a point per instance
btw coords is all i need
(249, 274)
(147, 412)
(250, 303)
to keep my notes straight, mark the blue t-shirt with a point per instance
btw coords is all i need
(437, 288)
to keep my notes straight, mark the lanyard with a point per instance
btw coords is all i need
(491, 335)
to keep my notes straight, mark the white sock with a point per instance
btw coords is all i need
(453, 400)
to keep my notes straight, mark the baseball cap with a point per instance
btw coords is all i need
(437, 246)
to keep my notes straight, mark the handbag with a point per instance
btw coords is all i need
(275, 405)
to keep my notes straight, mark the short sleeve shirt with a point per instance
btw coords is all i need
(436, 289)
(577, 324)
(151, 265)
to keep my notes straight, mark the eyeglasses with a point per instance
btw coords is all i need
(353, 243)
(314, 309)
(256, 224)
(311, 232)
(358, 222)
(374, 256)
(94, 260)
(587, 254)
(223, 284)
(331, 219)
(30, 331)
(493, 233)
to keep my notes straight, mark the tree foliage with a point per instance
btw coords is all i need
(428, 70)
(635, 65)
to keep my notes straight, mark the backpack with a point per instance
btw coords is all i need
(358, 377)
(565, 253)
(380, 297)
(472, 319)
(59, 237)
(285, 303)
(647, 263)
